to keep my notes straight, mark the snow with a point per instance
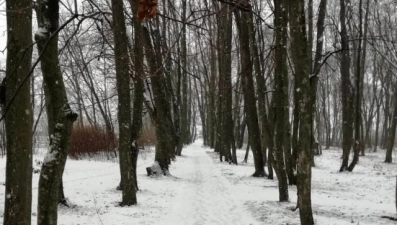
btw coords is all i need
(50, 156)
(42, 32)
(202, 190)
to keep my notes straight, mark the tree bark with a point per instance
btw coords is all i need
(358, 121)
(165, 132)
(60, 116)
(347, 95)
(281, 94)
(184, 84)
(139, 89)
(302, 63)
(18, 120)
(225, 79)
(392, 133)
(127, 172)
(242, 21)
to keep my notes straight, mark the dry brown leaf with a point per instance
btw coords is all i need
(147, 9)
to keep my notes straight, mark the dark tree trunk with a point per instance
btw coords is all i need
(124, 105)
(18, 120)
(347, 89)
(138, 92)
(301, 58)
(242, 21)
(242, 132)
(264, 124)
(165, 132)
(392, 133)
(184, 84)
(60, 116)
(281, 94)
(358, 121)
(212, 90)
(225, 82)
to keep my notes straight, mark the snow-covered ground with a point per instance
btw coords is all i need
(204, 191)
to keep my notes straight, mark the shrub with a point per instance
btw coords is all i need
(92, 141)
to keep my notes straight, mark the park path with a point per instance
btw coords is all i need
(204, 196)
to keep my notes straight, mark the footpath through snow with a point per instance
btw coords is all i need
(204, 191)
(207, 197)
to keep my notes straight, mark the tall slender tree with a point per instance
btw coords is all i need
(127, 172)
(281, 93)
(184, 83)
(347, 89)
(243, 21)
(302, 64)
(59, 114)
(138, 78)
(165, 131)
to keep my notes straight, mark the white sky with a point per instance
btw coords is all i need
(3, 31)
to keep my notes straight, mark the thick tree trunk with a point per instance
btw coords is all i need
(127, 172)
(138, 92)
(165, 132)
(358, 121)
(314, 71)
(60, 116)
(18, 120)
(225, 79)
(347, 89)
(302, 63)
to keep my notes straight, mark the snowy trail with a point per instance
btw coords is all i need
(207, 196)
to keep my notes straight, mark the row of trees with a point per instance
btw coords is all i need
(294, 74)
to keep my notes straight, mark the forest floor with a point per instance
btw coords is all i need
(204, 191)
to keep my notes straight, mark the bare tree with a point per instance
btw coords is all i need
(127, 172)
(281, 93)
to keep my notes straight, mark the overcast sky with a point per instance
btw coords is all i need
(3, 29)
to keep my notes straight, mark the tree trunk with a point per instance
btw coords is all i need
(127, 172)
(281, 94)
(138, 92)
(301, 59)
(347, 89)
(247, 153)
(212, 90)
(165, 132)
(392, 133)
(261, 89)
(242, 22)
(225, 79)
(242, 132)
(357, 108)
(18, 120)
(60, 116)
(184, 84)
(377, 124)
